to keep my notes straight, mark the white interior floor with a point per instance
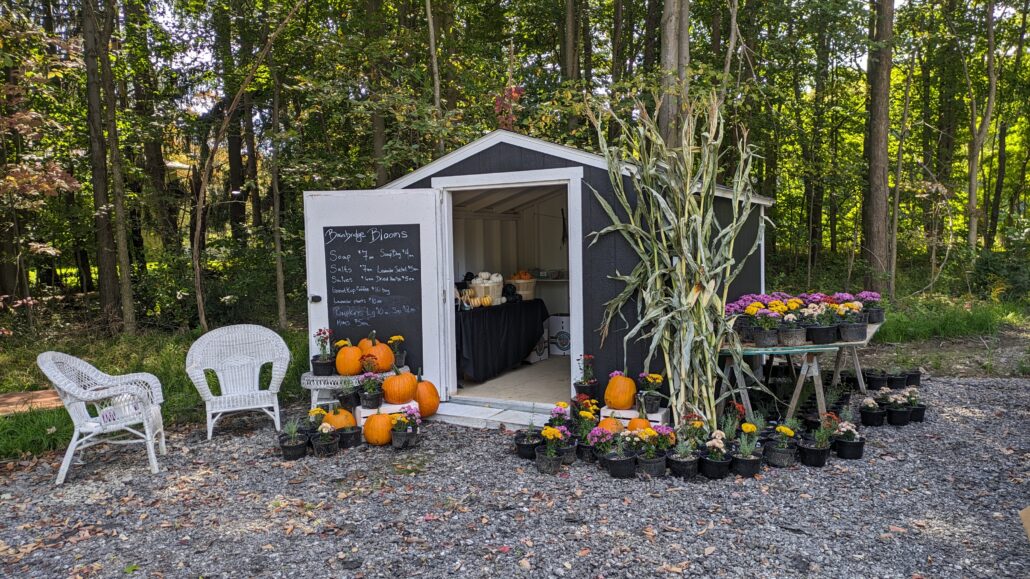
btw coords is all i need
(545, 382)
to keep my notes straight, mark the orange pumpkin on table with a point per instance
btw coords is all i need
(378, 428)
(348, 359)
(621, 392)
(400, 387)
(613, 425)
(427, 397)
(340, 418)
(382, 352)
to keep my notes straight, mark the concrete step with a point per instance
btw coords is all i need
(480, 416)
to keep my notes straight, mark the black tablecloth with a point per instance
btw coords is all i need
(494, 339)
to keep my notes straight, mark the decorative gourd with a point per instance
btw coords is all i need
(484, 275)
(381, 351)
(620, 393)
(377, 429)
(400, 387)
(427, 396)
(611, 424)
(486, 300)
(640, 422)
(340, 418)
(348, 361)
(496, 277)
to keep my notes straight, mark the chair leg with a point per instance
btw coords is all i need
(68, 455)
(161, 442)
(275, 415)
(210, 425)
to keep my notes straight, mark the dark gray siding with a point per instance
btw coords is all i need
(604, 258)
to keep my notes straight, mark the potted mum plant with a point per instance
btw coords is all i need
(621, 462)
(325, 443)
(715, 462)
(766, 322)
(310, 426)
(822, 319)
(849, 444)
(745, 462)
(898, 411)
(781, 451)
(323, 364)
(526, 441)
(649, 395)
(601, 440)
(897, 379)
(852, 327)
(816, 452)
(292, 442)
(682, 459)
(371, 390)
(918, 409)
(874, 379)
(587, 382)
(872, 307)
(560, 414)
(790, 332)
(406, 426)
(585, 423)
(655, 444)
(400, 355)
(871, 413)
(548, 454)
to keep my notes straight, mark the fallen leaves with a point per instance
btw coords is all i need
(709, 551)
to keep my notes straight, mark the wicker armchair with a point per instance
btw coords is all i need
(119, 404)
(236, 354)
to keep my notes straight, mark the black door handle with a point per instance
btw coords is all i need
(316, 299)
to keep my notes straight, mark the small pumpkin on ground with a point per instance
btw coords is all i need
(621, 391)
(611, 424)
(427, 397)
(400, 387)
(377, 429)
(348, 359)
(340, 418)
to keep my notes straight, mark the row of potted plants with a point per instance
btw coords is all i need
(895, 407)
(368, 355)
(324, 432)
(785, 320)
(621, 392)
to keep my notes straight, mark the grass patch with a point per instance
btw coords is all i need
(940, 318)
(161, 354)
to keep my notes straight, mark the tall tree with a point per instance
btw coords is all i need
(874, 206)
(1011, 83)
(978, 128)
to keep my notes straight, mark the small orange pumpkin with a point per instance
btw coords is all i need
(383, 353)
(340, 418)
(367, 342)
(400, 387)
(611, 424)
(640, 422)
(620, 393)
(427, 396)
(378, 429)
(348, 361)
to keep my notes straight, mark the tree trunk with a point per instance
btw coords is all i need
(979, 132)
(816, 169)
(277, 238)
(223, 29)
(874, 208)
(253, 192)
(896, 205)
(587, 68)
(618, 46)
(1003, 127)
(107, 268)
(436, 73)
(669, 63)
(652, 23)
(569, 55)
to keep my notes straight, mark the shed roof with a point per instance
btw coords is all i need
(499, 136)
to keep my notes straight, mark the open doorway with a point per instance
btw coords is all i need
(518, 350)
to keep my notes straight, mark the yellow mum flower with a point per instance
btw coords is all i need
(562, 404)
(752, 310)
(550, 433)
(785, 430)
(342, 343)
(758, 305)
(697, 424)
(317, 411)
(748, 428)
(586, 415)
(648, 433)
(395, 339)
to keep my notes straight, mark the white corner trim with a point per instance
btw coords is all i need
(510, 179)
(761, 248)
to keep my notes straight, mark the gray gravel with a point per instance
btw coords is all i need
(937, 499)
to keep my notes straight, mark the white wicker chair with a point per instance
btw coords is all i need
(119, 404)
(236, 355)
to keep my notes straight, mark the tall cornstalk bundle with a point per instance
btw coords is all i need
(686, 253)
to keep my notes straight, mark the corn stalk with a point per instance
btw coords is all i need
(666, 213)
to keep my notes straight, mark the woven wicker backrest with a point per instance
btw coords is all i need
(236, 355)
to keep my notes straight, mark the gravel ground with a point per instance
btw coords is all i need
(938, 499)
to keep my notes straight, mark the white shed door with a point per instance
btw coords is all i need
(374, 262)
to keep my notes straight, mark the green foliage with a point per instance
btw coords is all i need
(941, 317)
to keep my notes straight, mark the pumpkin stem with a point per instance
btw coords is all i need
(419, 375)
(396, 370)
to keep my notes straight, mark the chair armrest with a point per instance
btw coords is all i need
(280, 364)
(95, 395)
(199, 379)
(148, 382)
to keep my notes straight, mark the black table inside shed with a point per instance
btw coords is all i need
(496, 338)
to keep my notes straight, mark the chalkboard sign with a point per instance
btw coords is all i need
(374, 281)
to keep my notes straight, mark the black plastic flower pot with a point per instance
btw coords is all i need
(875, 380)
(293, 450)
(621, 466)
(585, 452)
(764, 338)
(822, 334)
(349, 400)
(897, 381)
(682, 467)
(875, 315)
(780, 457)
(853, 332)
(917, 412)
(652, 401)
(568, 453)
(899, 416)
(547, 464)
(791, 336)
(588, 388)
(850, 449)
(653, 467)
(912, 377)
(527, 448)
(404, 440)
(325, 445)
(813, 456)
(746, 467)
(714, 469)
(602, 458)
(873, 417)
(371, 400)
(350, 438)
(322, 367)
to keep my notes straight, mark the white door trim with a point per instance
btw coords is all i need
(572, 177)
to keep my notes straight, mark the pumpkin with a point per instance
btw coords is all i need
(640, 422)
(620, 393)
(348, 361)
(610, 424)
(378, 429)
(382, 352)
(400, 387)
(340, 418)
(427, 396)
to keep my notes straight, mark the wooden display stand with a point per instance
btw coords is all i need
(361, 413)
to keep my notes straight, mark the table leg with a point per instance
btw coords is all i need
(858, 370)
(837, 363)
(314, 398)
(797, 390)
(745, 399)
(817, 379)
(727, 371)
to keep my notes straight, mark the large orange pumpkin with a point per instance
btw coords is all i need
(378, 429)
(400, 387)
(613, 425)
(348, 361)
(367, 342)
(382, 352)
(620, 393)
(340, 418)
(427, 396)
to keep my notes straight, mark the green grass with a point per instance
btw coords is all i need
(161, 354)
(940, 318)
